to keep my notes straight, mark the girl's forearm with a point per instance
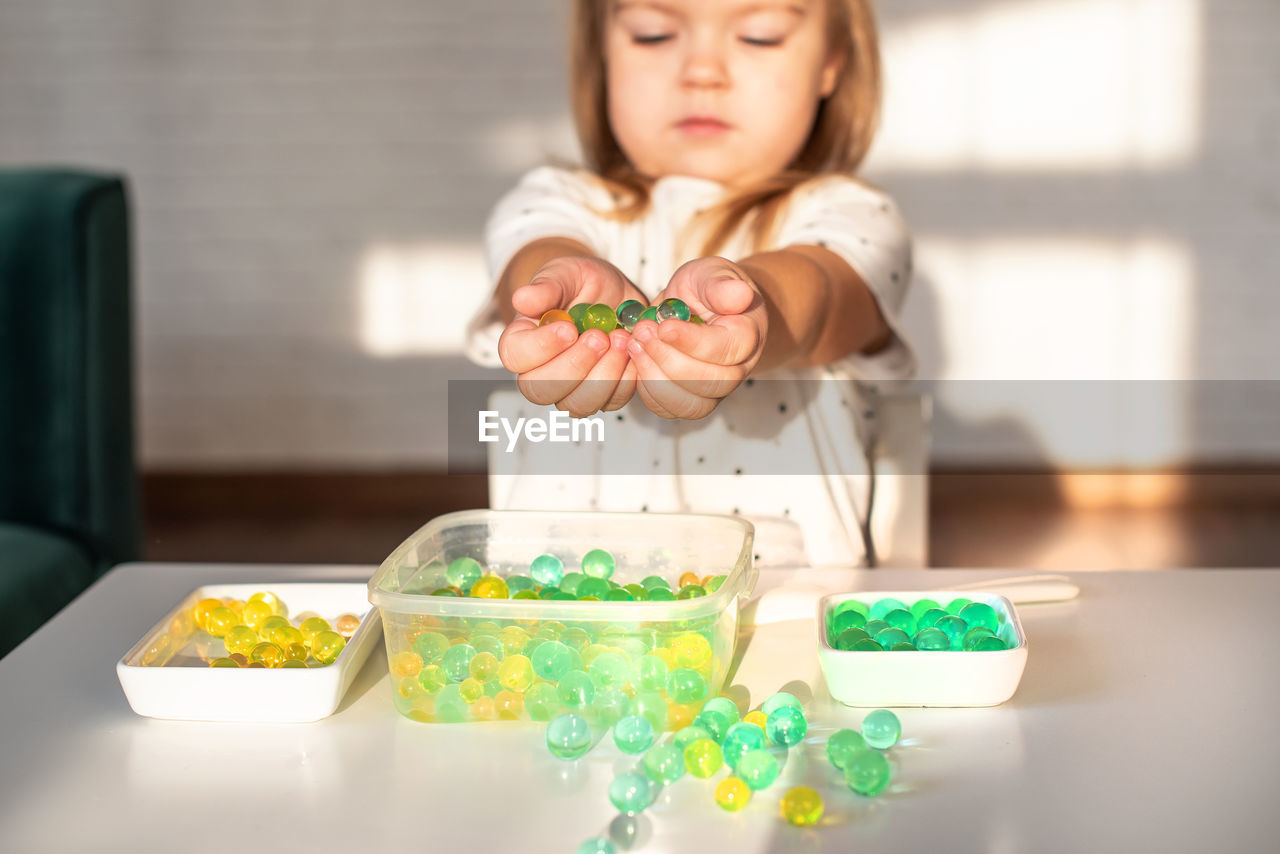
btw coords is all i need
(819, 308)
(529, 260)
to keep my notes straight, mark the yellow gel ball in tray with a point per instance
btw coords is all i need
(311, 627)
(327, 646)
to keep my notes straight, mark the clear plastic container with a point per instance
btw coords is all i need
(647, 640)
(919, 677)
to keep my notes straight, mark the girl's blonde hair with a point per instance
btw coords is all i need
(841, 135)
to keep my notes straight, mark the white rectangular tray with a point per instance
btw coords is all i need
(923, 678)
(189, 689)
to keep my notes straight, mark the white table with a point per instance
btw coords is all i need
(1144, 722)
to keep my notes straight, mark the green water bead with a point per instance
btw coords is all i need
(688, 735)
(715, 582)
(650, 313)
(866, 772)
(991, 643)
(664, 763)
(541, 702)
(652, 582)
(758, 769)
(740, 740)
(930, 618)
(875, 627)
(598, 563)
(980, 614)
(691, 591)
(786, 726)
(568, 736)
(932, 639)
(637, 592)
(849, 638)
(597, 845)
(900, 618)
(955, 606)
(463, 572)
(891, 637)
(652, 706)
(576, 690)
(716, 723)
(631, 792)
(843, 744)
(456, 662)
(881, 729)
(703, 757)
(650, 673)
(633, 734)
(661, 594)
(851, 605)
(867, 645)
(485, 642)
(600, 316)
(724, 706)
(610, 669)
(619, 594)
(686, 686)
(569, 583)
(525, 594)
(592, 586)
(610, 706)
(883, 606)
(778, 700)
(629, 313)
(919, 606)
(974, 635)
(547, 570)
(848, 620)
(578, 311)
(672, 308)
(905, 646)
(517, 583)
(955, 628)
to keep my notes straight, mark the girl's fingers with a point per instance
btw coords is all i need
(525, 346)
(651, 403)
(554, 380)
(727, 341)
(654, 357)
(540, 295)
(598, 388)
(669, 400)
(625, 389)
(726, 295)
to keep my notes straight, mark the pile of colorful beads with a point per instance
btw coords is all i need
(925, 625)
(748, 747)
(600, 316)
(253, 633)
(548, 580)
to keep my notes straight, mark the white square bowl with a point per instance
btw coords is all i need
(923, 678)
(197, 692)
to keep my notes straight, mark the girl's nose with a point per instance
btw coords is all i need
(704, 64)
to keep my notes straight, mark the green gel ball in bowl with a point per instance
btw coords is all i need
(568, 737)
(875, 627)
(955, 629)
(758, 769)
(724, 706)
(867, 645)
(547, 570)
(980, 614)
(611, 669)
(463, 572)
(955, 606)
(598, 563)
(900, 618)
(576, 690)
(686, 686)
(609, 707)
(849, 638)
(842, 744)
(883, 606)
(974, 635)
(664, 763)
(881, 729)
(919, 607)
(631, 792)
(848, 620)
(930, 618)
(891, 637)
(990, 643)
(633, 734)
(932, 640)
(552, 660)
(866, 772)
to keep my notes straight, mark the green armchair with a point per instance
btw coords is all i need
(68, 482)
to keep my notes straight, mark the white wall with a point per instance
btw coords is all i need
(1093, 185)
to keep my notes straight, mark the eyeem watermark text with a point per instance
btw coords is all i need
(559, 427)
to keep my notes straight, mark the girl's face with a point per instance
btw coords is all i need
(720, 89)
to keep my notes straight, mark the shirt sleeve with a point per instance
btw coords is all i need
(864, 227)
(548, 202)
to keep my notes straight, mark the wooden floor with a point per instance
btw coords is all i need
(1036, 520)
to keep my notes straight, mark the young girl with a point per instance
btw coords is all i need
(720, 136)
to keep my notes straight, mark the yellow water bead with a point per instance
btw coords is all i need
(200, 613)
(277, 606)
(313, 626)
(406, 664)
(255, 614)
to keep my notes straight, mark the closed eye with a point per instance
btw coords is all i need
(761, 42)
(658, 38)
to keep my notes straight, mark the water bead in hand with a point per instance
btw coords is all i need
(629, 314)
(673, 308)
(599, 316)
(553, 315)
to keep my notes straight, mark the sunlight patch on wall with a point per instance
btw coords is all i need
(1092, 335)
(1043, 84)
(417, 300)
